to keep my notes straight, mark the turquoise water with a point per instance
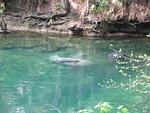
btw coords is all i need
(31, 83)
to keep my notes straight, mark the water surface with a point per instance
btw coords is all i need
(31, 83)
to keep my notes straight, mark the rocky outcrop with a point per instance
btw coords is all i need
(70, 19)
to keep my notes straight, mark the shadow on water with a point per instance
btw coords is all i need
(31, 83)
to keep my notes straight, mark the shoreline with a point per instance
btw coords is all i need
(42, 30)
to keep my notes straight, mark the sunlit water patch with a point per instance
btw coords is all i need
(32, 82)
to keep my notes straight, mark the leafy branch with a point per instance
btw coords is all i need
(105, 107)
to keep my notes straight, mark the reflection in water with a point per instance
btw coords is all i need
(57, 89)
(31, 83)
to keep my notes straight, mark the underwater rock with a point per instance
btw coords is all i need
(69, 61)
(117, 55)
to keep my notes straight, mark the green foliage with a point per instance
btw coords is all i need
(136, 70)
(105, 107)
(103, 4)
(97, 10)
(58, 6)
(100, 6)
(2, 8)
(122, 110)
(1, 11)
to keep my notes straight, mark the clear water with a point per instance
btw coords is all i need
(31, 83)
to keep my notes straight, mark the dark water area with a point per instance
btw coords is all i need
(31, 83)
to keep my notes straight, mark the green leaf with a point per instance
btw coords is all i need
(58, 6)
(1, 11)
(124, 110)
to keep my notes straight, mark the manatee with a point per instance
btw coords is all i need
(117, 55)
(69, 61)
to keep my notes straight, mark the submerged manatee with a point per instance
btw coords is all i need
(69, 61)
(117, 55)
